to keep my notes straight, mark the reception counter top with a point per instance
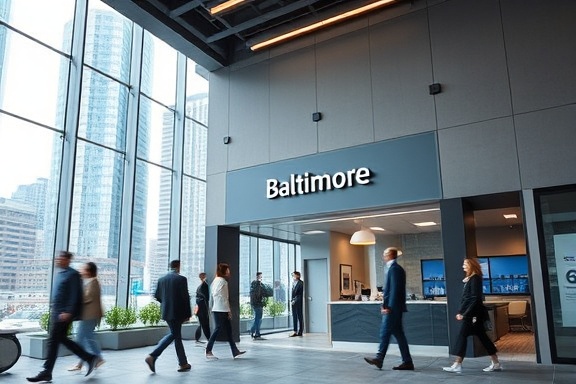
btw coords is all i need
(380, 302)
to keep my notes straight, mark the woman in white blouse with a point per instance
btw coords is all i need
(221, 311)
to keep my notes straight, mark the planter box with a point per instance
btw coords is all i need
(36, 346)
(139, 337)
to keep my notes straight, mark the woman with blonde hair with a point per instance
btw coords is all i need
(472, 314)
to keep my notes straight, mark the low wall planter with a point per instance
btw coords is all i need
(36, 346)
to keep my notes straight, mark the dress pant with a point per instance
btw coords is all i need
(204, 321)
(222, 322)
(298, 317)
(175, 336)
(392, 326)
(59, 335)
(472, 328)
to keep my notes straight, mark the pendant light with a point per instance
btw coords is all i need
(363, 237)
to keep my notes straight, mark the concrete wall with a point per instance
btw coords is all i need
(504, 120)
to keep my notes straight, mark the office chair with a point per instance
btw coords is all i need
(517, 311)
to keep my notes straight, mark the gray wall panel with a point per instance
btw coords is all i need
(216, 201)
(401, 72)
(546, 147)
(292, 102)
(479, 158)
(249, 116)
(469, 62)
(344, 96)
(405, 170)
(540, 46)
(218, 115)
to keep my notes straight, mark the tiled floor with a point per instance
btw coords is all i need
(281, 359)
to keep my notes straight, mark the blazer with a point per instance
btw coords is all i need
(297, 292)
(92, 308)
(471, 304)
(395, 289)
(172, 293)
(203, 294)
(67, 294)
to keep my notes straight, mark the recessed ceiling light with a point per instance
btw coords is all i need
(425, 224)
(377, 229)
(313, 232)
(510, 216)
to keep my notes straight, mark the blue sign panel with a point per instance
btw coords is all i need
(387, 173)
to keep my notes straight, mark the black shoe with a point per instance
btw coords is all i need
(151, 361)
(404, 367)
(91, 365)
(42, 377)
(238, 353)
(299, 334)
(184, 368)
(256, 338)
(374, 361)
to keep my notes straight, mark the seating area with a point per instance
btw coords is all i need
(517, 315)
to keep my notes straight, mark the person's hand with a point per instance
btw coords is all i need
(459, 317)
(229, 315)
(65, 316)
(292, 302)
(385, 311)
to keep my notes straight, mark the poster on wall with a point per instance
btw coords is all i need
(565, 249)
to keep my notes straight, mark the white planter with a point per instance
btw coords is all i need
(131, 337)
(36, 346)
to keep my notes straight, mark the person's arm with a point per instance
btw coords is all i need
(298, 292)
(186, 299)
(73, 294)
(471, 294)
(158, 293)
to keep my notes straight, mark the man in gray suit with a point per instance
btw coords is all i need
(393, 308)
(172, 293)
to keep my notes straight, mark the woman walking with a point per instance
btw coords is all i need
(91, 314)
(221, 311)
(472, 314)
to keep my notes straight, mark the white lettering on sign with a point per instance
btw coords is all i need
(309, 183)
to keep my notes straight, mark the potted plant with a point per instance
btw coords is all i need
(246, 316)
(120, 336)
(150, 314)
(118, 317)
(276, 310)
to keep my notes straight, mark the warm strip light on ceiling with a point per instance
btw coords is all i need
(321, 24)
(510, 216)
(425, 224)
(224, 6)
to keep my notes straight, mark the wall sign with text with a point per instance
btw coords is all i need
(310, 183)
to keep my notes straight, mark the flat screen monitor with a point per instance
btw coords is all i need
(509, 275)
(433, 280)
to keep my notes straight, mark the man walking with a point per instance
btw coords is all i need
(172, 293)
(393, 307)
(65, 306)
(202, 309)
(259, 293)
(297, 304)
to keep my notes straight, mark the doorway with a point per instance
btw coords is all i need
(316, 295)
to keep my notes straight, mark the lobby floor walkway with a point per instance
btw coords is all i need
(284, 360)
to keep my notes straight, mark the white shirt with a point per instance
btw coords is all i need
(219, 291)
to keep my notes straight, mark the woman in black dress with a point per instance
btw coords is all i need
(472, 314)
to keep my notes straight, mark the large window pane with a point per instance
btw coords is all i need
(557, 227)
(34, 80)
(28, 194)
(44, 20)
(96, 213)
(195, 149)
(150, 230)
(159, 61)
(197, 93)
(192, 229)
(103, 110)
(155, 132)
(108, 41)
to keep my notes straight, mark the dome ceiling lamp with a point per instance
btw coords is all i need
(363, 237)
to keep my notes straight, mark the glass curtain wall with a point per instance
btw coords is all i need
(93, 157)
(556, 215)
(276, 259)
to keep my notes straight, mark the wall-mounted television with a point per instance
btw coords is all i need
(433, 280)
(502, 275)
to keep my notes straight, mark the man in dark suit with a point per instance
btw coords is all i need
(393, 307)
(65, 306)
(172, 293)
(297, 304)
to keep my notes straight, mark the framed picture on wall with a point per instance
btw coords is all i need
(346, 278)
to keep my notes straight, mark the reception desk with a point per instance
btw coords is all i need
(425, 323)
